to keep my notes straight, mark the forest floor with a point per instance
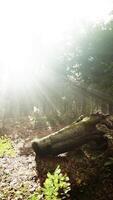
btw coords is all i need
(18, 175)
(18, 179)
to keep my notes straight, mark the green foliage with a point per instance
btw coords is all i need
(36, 196)
(55, 185)
(6, 148)
(89, 58)
(93, 61)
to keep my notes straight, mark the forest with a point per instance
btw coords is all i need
(56, 100)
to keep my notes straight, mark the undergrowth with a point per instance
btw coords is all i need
(6, 147)
(56, 187)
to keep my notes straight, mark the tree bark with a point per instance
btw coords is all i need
(71, 137)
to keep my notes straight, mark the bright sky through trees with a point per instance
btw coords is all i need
(29, 28)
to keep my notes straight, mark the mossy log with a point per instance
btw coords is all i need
(90, 170)
(71, 137)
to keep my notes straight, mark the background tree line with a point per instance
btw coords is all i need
(79, 78)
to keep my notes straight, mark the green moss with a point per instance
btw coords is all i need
(6, 147)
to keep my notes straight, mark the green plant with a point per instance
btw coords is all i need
(6, 148)
(56, 185)
(37, 195)
(34, 197)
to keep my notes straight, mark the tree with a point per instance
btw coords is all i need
(94, 61)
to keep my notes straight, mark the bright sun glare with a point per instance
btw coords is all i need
(31, 27)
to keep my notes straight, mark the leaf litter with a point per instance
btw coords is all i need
(18, 178)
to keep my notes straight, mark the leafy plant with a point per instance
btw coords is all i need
(37, 195)
(56, 185)
(6, 148)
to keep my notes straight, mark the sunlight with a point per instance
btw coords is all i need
(13, 79)
(66, 14)
(92, 10)
(26, 38)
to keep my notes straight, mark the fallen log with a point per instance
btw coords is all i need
(84, 167)
(71, 137)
